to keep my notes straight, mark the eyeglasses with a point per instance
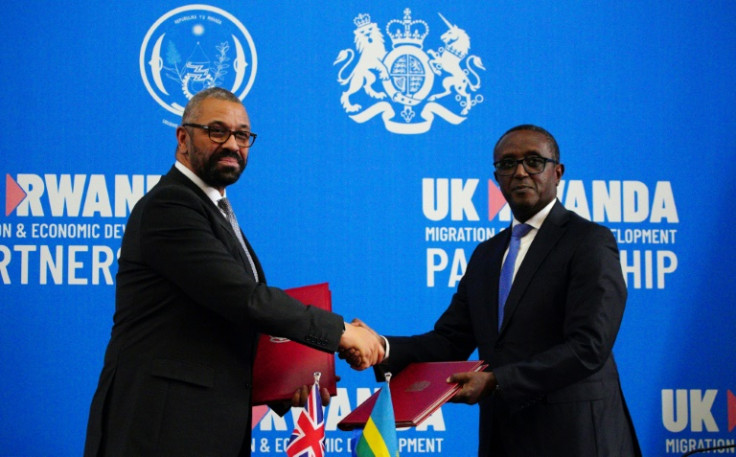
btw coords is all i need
(533, 165)
(220, 135)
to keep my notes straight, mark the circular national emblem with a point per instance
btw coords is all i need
(194, 47)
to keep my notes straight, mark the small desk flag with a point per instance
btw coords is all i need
(379, 435)
(308, 437)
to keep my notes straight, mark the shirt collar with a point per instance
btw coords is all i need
(537, 220)
(210, 191)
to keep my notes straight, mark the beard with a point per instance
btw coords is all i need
(213, 173)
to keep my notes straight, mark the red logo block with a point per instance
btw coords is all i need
(13, 194)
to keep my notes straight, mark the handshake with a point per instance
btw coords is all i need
(361, 346)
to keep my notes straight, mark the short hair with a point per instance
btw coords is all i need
(192, 108)
(534, 128)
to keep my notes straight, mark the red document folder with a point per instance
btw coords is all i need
(282, 366)
(416, 392)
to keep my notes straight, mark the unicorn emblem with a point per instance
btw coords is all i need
(449, 59)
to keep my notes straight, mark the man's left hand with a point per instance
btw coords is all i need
(300, 397)
(473, 386)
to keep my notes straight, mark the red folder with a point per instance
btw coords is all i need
(416, 392)
(282, 366)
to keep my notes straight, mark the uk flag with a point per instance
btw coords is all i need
(308, 437)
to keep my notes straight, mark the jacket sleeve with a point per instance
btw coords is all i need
(186, 243)
(452, 338)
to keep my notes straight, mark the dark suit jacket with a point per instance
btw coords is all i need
(177, 374)
(559, 386)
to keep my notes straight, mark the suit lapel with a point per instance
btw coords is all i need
(176, 175)
(222, 222)
(253, 256)
(549, 233)
(225, 224)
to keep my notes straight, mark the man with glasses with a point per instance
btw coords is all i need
(191, 298)
(542, 303)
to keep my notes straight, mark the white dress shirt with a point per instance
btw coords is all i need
(536, 222)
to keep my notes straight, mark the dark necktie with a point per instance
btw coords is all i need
(507, 270)
(224, 205)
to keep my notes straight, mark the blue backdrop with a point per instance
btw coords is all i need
(384, 198)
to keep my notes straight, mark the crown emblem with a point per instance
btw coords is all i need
(362, 20)
(407, 31)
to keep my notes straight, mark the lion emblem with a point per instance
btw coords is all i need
(370, 45)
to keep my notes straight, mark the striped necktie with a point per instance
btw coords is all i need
(224, 205)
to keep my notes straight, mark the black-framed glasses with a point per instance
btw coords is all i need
(533, 165)
(218, 134)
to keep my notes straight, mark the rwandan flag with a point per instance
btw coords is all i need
(379, 435)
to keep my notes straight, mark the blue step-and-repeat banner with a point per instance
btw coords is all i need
(372, 171)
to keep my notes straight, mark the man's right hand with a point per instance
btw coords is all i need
(361, 346)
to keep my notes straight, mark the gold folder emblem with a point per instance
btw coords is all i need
(418, 386)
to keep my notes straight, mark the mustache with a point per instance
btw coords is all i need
(228, 153)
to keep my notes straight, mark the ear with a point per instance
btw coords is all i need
(559, 171)
(181, 140)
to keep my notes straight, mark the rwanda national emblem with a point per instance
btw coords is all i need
(194, 47)
(407, 75)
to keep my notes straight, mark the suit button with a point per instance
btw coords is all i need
(498, 346)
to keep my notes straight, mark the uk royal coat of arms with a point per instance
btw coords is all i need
(407, 86)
